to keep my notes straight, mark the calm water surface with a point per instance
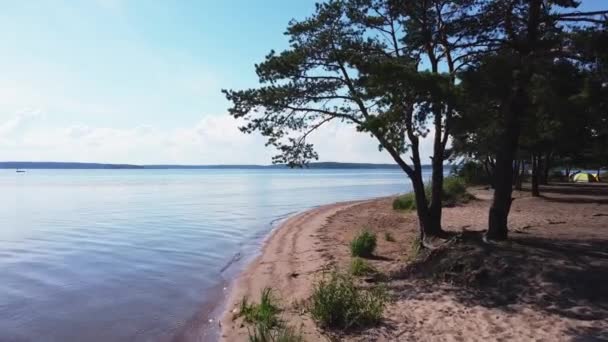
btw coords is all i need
(138, 255)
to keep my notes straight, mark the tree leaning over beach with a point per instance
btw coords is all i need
(391, 69)
(374, 64)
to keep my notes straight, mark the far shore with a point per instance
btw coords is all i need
(559, 238)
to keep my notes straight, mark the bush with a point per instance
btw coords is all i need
(472, 173)
(363, 245)
(389, 237)
(454, 186)
(337, 303)
(405, 202)
(454, 191)
(359, 267)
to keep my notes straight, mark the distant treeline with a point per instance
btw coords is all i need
(65, 165)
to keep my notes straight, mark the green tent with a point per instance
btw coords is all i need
(584, 178)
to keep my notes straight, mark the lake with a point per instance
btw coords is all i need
(141, 255)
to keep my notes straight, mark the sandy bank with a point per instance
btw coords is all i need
(558, 251)
(290, 259)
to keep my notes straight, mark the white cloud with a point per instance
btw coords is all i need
(214, 139)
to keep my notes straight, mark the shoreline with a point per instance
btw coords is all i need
(265, 268)
(206, 324)
(553, 229)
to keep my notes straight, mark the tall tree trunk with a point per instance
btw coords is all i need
(489, 169)
(516, 104)
(435, 208)
(428, 225)
(503, 171)
(535, 174)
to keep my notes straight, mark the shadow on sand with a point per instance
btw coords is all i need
(562, 276)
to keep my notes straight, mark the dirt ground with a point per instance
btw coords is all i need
(549, 282)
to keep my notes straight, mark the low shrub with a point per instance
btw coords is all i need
(454, 186)
(359, 267)
(454, 191)
(472, 173)
(266, 325)
(364, 244)
(265, 313)
(336, 303)
(405, 202)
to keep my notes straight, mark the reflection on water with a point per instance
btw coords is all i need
(133, 255)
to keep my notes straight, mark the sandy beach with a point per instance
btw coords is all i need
(553, 280)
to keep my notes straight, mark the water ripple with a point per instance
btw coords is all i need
(83, 252)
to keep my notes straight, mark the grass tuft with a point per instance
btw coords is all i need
(364, 244)
(336, 303)
(415, 249)
(265, 313)
(260, 333)
(359, 267)
(264, 321)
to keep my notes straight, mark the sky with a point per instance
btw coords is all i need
(138, 81)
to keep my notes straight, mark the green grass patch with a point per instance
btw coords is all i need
(405, 202)
(454, 191)
(359, 267)
(336, 303)
(389, 237)
(364, 244)
(264, 322)
(265, 313)
(260, 333)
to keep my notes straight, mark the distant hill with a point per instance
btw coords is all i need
(321, 165)
(65, 165)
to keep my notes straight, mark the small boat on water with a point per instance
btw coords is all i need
(19, 171)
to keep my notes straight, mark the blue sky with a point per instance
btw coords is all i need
(139, 81)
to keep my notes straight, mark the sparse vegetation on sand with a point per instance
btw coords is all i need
(364, 244)
(454, 192)
(405, 202)
(337, 303)
(264, 322)
(360, 267)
